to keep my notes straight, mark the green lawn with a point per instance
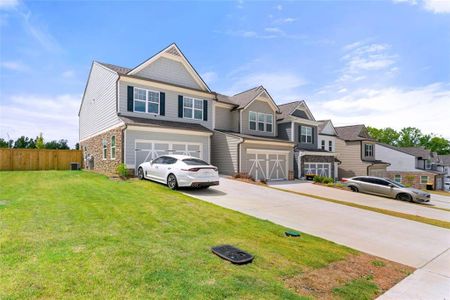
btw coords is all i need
(82, 235)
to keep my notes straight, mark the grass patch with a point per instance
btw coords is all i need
(438, 192)
(81, 235)
(434, 222)
(378, 263)
(358, 289)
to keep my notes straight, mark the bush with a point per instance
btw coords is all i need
(122, 170)
(327, 180)
(318, 179)
(330, 184)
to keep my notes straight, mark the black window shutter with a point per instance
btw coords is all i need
(313, 130)
(299, 133)
(180, 106)
(205, 110)
(130, 98)
(162, 104)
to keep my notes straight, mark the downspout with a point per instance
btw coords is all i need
(239, 156)
(300, 154)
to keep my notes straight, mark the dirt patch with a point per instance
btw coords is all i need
(333, 186)
(319, 283)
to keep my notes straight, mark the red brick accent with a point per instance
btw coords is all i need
(413, 178)
(94, 147)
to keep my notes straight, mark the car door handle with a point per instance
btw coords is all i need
(169, 168)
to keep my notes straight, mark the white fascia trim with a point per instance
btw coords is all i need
(225, 105)
(267, 151)
(165, 86)
(268, 100)
(167, 130)
(268, 143)
(308, 111)
(103, 131)
(294, 119)
(319, 153)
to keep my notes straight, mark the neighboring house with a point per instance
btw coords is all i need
(356, 151)
(446, 162)
(133, 115)
(296, 123)
(163, 106)
(327, 140)
(415, 166)
(245, 139)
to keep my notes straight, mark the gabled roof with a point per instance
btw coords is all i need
(245, 98)
(421, 152)
(323, 124)
(353, 133)
(119, 70)
(287, 109)
(445, 159)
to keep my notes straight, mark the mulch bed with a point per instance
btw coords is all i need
(319, 283)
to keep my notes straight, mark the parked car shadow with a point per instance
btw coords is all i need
(202, 192)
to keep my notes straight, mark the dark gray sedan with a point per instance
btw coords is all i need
(385, 187)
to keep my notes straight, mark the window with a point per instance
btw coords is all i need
(323, 145)
(423, 179)
(306, 134)
(330, 146)
(159, 160)
(398, 178)
(195, 162)
(104, 148)
(252, 120)
(368, 150)
(113, 147)
(169, 160)
(192, 108)
(146, 101)
(260, 121)
(427, 164)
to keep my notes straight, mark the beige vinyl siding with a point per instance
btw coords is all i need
(98, 109)
(349, 153)
(171, 111)
(224, 152)
(262, 107)
(223, 118)
(168, 70)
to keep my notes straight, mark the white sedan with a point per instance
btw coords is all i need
(179, 171)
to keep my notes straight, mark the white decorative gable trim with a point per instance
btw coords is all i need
(174, 53)
(264, 96)
(302, 106)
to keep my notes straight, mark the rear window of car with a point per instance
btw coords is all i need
(194, 162)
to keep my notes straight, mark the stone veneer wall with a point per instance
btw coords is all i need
(94, 147)
(316, 159)
(414, 179)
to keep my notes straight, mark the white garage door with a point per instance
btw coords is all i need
(321, 169)
(267, 164)
(146, 150)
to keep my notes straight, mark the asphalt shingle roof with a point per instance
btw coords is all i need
(288, 108)
(163, 124)
(445, 159)
(118, 69)
(352, 133)
(254, 137)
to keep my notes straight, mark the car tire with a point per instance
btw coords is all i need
(141, 173)
(172, 182)
(354, 189)
(404, 197)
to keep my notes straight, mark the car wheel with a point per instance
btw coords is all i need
(140, 173)
(172, 182)
(404, 197)
(354, 189)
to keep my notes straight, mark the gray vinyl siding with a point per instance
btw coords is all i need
(258, 106)
(246, 146)
(224, 152)
(285, 131)
(98, 109)
(171, 112)
(223, 118)
(132, 135)
(168, 70)
(305, 146)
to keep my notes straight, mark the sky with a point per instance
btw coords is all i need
(380, 63)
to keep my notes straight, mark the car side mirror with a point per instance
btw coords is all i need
(151, 162)
(391, 185)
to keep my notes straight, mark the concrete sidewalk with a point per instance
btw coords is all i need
(404, 241)
(369, 200)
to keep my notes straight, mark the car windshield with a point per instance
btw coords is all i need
(194, 162)
(394, 183)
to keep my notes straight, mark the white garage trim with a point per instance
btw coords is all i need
(322, 164)
(267, 172)
(154, 153)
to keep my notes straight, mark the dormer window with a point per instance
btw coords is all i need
(260, 121)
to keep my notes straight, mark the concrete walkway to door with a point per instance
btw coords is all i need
(423, 210)
(404, 241)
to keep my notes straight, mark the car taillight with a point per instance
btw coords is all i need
(344, 179)
(191, 169)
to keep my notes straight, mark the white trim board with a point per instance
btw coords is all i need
(167, 130)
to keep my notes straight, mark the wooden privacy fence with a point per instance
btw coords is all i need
(38, 159)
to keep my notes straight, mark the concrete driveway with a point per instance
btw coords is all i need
(423, 210)
(408, 242)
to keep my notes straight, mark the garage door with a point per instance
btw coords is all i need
(321, 169)
(146, 150)
(268, 165)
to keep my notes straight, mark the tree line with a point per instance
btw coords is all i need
(410, 137)
(24, 142)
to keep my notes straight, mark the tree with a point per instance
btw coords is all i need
(77, 146)
(40, 142)
(387, 135)
(25, 142)
(409, 137)
(439, 145)
(61, 144)
(6, 144)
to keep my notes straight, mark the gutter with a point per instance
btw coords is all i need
(123, 143)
